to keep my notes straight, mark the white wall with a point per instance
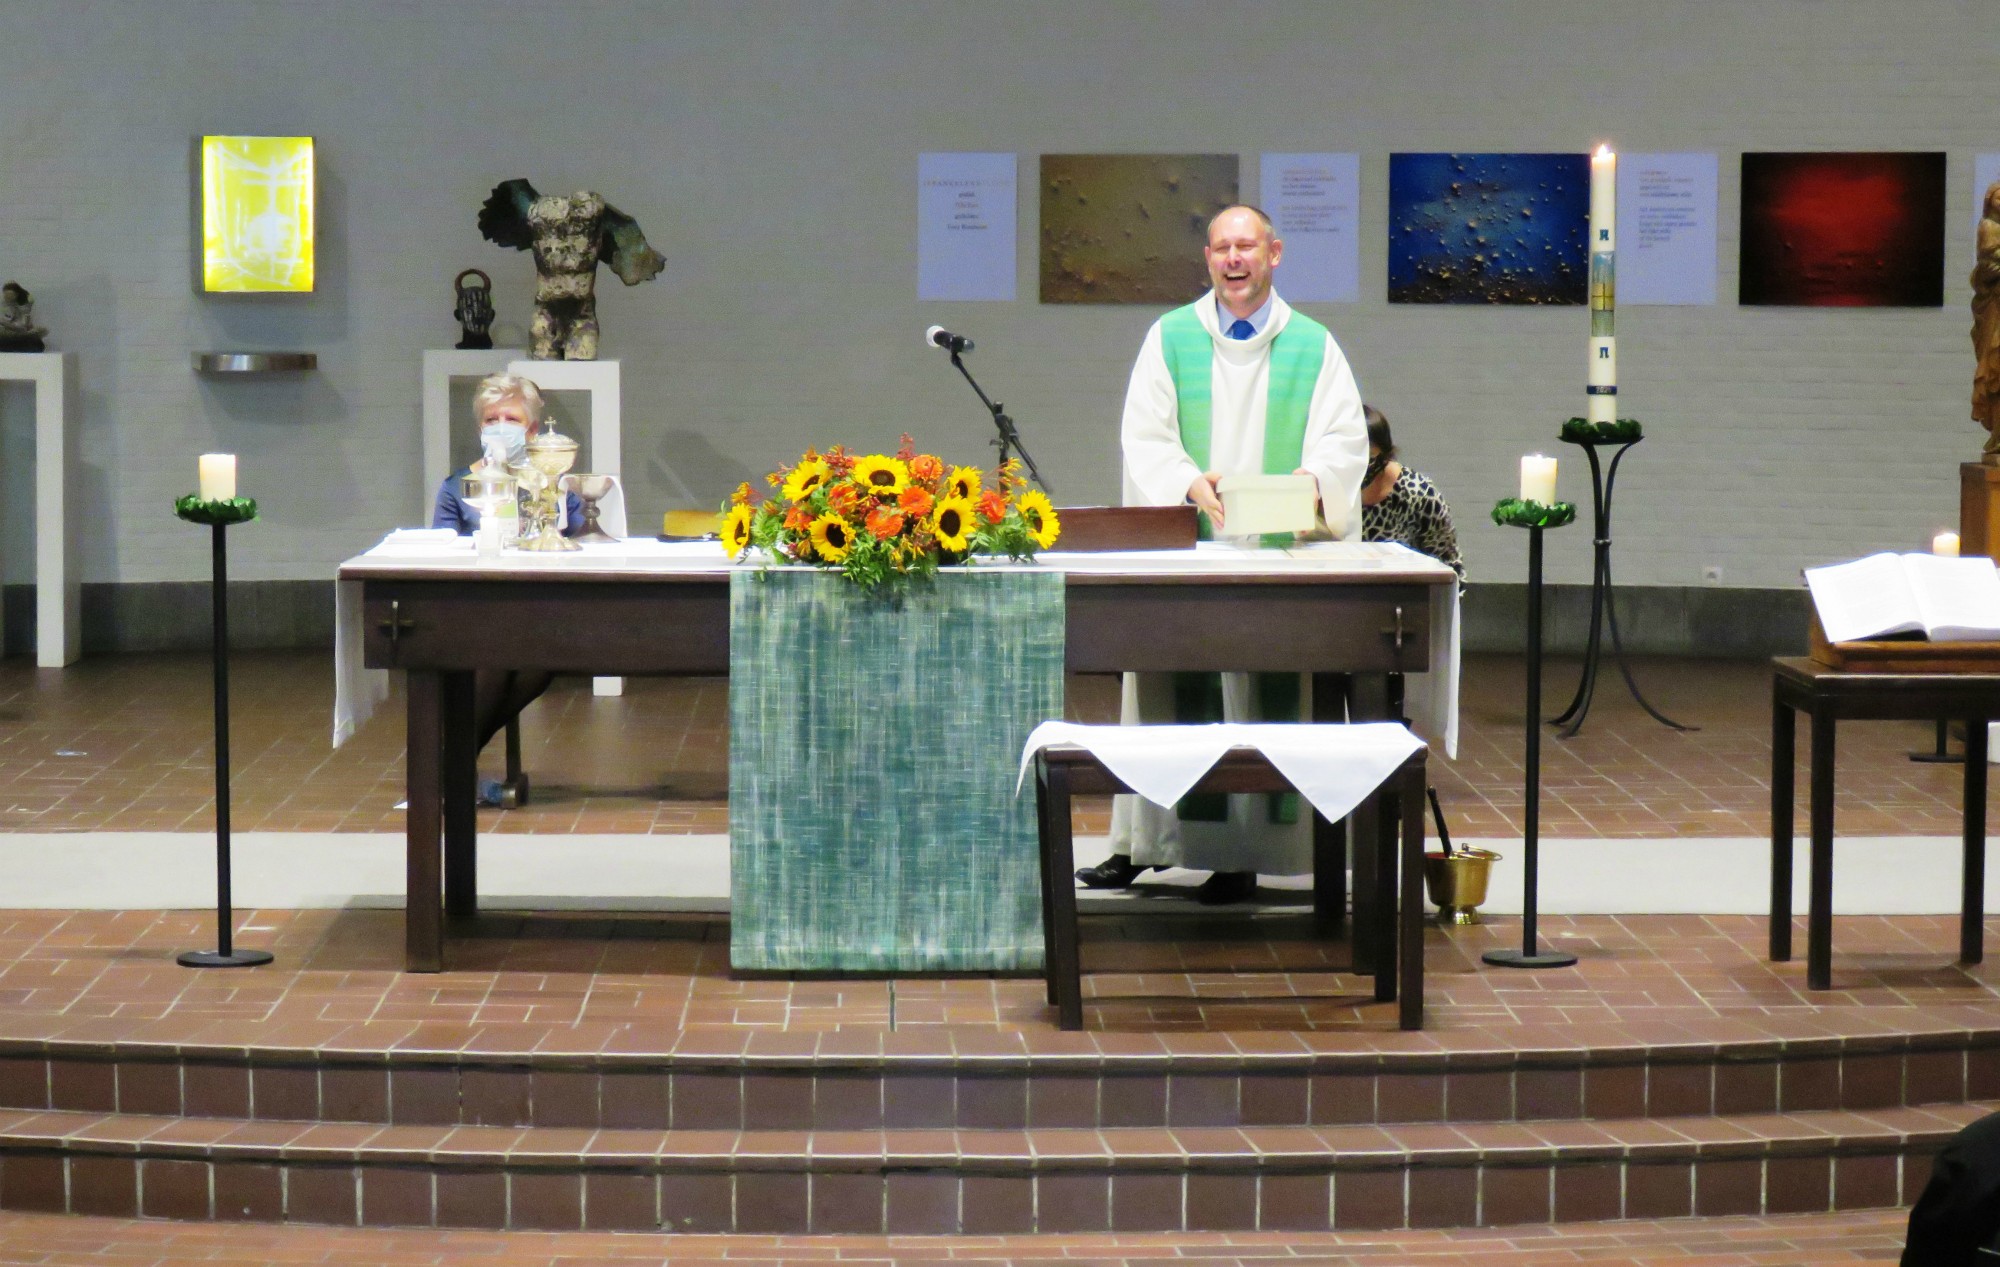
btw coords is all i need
(768, 147)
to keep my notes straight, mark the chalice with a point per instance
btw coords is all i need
(591, 489)
(549, 455)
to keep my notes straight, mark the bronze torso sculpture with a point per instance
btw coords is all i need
(569, 237)
(1986, 326)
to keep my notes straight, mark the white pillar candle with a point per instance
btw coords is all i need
(1602, 397)
(218, 477)
(1945, 543)
(1603, 200)
(1538, 479)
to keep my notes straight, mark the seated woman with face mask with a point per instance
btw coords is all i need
(509, 410)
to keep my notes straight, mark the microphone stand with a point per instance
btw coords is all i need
(1009, 438)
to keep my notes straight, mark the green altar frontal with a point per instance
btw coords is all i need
(873, 750)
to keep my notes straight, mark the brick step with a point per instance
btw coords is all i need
(970, 1182)
(999, 1082)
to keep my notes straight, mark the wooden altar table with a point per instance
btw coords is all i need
(642, 608)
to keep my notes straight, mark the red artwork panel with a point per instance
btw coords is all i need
(1847, 230)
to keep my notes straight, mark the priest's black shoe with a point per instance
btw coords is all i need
(1116, 872)
(1225, 888)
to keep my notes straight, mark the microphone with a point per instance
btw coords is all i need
(939, 337)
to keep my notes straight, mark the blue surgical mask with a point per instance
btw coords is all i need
(512, 435)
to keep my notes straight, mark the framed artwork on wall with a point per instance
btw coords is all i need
(1129, 228)
(257, 211)
(1843, 230)
(1489, 228)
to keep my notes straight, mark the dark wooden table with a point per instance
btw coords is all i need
(1828, 696)
(1064, 771)
(441, 622)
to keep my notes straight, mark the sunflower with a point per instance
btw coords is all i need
(1041, 517)
(952, 522)
(884, 477)
(736, 529)
(833, 537)
(805, 477)
(964, 482)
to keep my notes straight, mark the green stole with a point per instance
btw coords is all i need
(1298, 352)
(1297, 355)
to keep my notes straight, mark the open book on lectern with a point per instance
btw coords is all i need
(1945, 599)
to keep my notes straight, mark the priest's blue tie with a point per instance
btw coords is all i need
(1241, 330)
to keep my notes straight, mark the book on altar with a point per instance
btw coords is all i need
(1944, 598)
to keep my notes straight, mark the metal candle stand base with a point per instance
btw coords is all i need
(218, 516)
(1603, 609)
(1534, 518)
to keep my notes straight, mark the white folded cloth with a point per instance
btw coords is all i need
(430, 537)
(1335, 767)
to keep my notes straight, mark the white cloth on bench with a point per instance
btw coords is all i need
(1333, 766)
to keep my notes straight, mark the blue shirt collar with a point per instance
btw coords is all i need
(1258, 319)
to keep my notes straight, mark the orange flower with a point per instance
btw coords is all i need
(798, 519)
(839, 462)
(741, 497)
(926, 467)
(992, 506)
(843, 498)
(884, 523)
(915, 501)
(907, 449)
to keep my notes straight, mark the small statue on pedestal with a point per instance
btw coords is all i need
(1986, 327)
(474, 311)
(569, 236)
(18, 331)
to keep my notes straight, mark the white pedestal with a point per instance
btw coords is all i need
(58, 583)
(441, 366)
(604, 444)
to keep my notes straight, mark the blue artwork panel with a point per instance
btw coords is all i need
(1489, 228)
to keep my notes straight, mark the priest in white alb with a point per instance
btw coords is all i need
(1237, 382)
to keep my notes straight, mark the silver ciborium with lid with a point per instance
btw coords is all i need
(549, 456)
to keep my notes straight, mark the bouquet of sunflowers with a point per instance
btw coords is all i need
(881, 520)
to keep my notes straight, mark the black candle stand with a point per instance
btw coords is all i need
(1590, 437)
(1535, 517)
(218, 515)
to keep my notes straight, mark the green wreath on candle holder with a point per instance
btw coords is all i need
(1512, 512)
(228, 510)
(1623, 431)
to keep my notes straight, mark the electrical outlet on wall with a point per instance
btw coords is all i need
(1711, 574)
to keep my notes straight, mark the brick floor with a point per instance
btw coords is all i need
(1873, 1236)
(1697, 978)
(123, 744)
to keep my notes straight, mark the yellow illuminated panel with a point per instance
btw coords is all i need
(256, 213)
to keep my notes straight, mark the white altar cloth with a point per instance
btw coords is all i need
(1334, 767)
(1431, 697)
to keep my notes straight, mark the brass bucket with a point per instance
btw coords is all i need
(1457, 883)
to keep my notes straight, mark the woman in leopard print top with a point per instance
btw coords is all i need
(1398, 504)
